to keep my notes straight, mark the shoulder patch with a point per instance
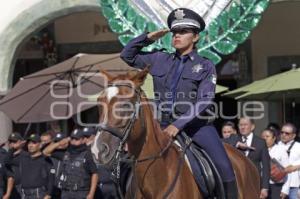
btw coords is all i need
(213, 78)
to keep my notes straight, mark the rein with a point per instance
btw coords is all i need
(123, 136)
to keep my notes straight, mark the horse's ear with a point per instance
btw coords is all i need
(140, 77)
(106, 74)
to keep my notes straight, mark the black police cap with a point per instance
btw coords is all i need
(15, 137)
(59, 136)
(34, 138)
(77, 134)
(89, 131)
(181, 18)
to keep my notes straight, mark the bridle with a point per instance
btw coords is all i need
(124, 133)
(123, 136)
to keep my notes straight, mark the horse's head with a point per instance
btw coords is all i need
(118, 112)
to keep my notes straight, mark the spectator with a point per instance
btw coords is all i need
(279, 154)
(228, 129)
(287, 136)
(255, 149)
(276, 128)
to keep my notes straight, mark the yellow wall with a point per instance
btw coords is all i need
(278, 34)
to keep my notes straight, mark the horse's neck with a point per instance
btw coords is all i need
(152, 140)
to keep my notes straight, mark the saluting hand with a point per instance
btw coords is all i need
(64, 141)
(171, 130)
(244, 146)
(90, 196)
(157, 34)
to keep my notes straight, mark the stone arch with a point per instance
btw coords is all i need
(20, 29)
(30, 21)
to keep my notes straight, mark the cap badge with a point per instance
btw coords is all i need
(179, 14)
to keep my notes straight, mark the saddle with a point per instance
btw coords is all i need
(205, 173)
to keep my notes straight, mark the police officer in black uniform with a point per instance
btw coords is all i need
(36, 171)
(78, 178)
(57, 164)
(3, 175)
(106, 188)
(89, 134)
(13, 190)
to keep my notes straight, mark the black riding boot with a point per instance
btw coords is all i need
(230, 189)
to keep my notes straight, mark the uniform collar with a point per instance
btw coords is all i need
(191, 55)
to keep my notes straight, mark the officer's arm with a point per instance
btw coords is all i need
(133, 55)
(92, 169)
(53, 146)
(8, 161)
(94, 181)
(9, 187)
(50, 177)
(205, 97)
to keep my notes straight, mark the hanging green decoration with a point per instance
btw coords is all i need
(231, 27)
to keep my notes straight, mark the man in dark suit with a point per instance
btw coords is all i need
(255, 149)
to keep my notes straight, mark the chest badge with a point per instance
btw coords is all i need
(197, 68)
(77, 164)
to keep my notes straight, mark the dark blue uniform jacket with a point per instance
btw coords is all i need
(196, 86)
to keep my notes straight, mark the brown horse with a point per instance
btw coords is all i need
(159, 171)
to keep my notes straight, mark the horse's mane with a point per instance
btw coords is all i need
(161, 138)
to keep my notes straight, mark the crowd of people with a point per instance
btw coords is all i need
(56, 165)
(53, 165)
(275, 153)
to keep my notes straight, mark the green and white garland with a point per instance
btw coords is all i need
(221, 37)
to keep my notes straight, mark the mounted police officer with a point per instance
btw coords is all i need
(78, 178)
(184, 85)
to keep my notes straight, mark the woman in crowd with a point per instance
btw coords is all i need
(228, 128)
(278, 154)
